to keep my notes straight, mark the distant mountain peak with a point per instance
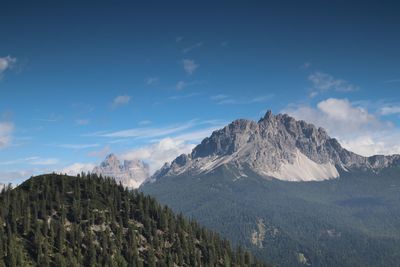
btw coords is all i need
(111, 157)
(130, 173)
(276, 146)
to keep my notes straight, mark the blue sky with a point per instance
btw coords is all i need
(150, 80)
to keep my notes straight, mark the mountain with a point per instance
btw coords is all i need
(57, 220)
(130, 173)
(290, 193)
(275, 146)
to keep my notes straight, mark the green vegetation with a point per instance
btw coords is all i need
(350, 221)
(55, 220)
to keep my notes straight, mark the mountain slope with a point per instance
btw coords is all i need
(230, 183)
(54, 220)
(131, 173)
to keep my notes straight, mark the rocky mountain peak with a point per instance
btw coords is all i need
(276, 146)
(130, 173)
(111, 160)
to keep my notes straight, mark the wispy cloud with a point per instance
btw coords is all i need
(82, 108)
(180, 85)
(197, 136)
(32, 161)
(189, 66)
(323, 82)
(228, 100)
(305, 65)
(120, 100)
(152, 133)
(389, 110)
(179, 39)
(6, 130)
(46, 161)
(190, 48)
(144, 122)
(260, 99)
(6, 63)
(178, 97)
(99, 153)
(82, 121)
(392, 81)
(152, 81)
(149, 132)
(51, 118)
(165, 143)
(77, 146)
(219, 97)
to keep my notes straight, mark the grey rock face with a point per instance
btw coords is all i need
(265, 146)
(130, 173)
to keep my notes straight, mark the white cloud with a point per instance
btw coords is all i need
(120, 101)
(157, 154)
(354, 126)
(6, 63)
(322, 82)
(15, 177)
(190, 48)
(6, 130)
(390, 110)
(168, 148)
(165, 143)
(77, 168)
(189, 66)
(170, 142)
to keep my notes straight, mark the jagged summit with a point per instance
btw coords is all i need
(131, 173)
(276, 146)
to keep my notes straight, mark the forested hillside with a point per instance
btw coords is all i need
(56, 220)
(350, 221)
